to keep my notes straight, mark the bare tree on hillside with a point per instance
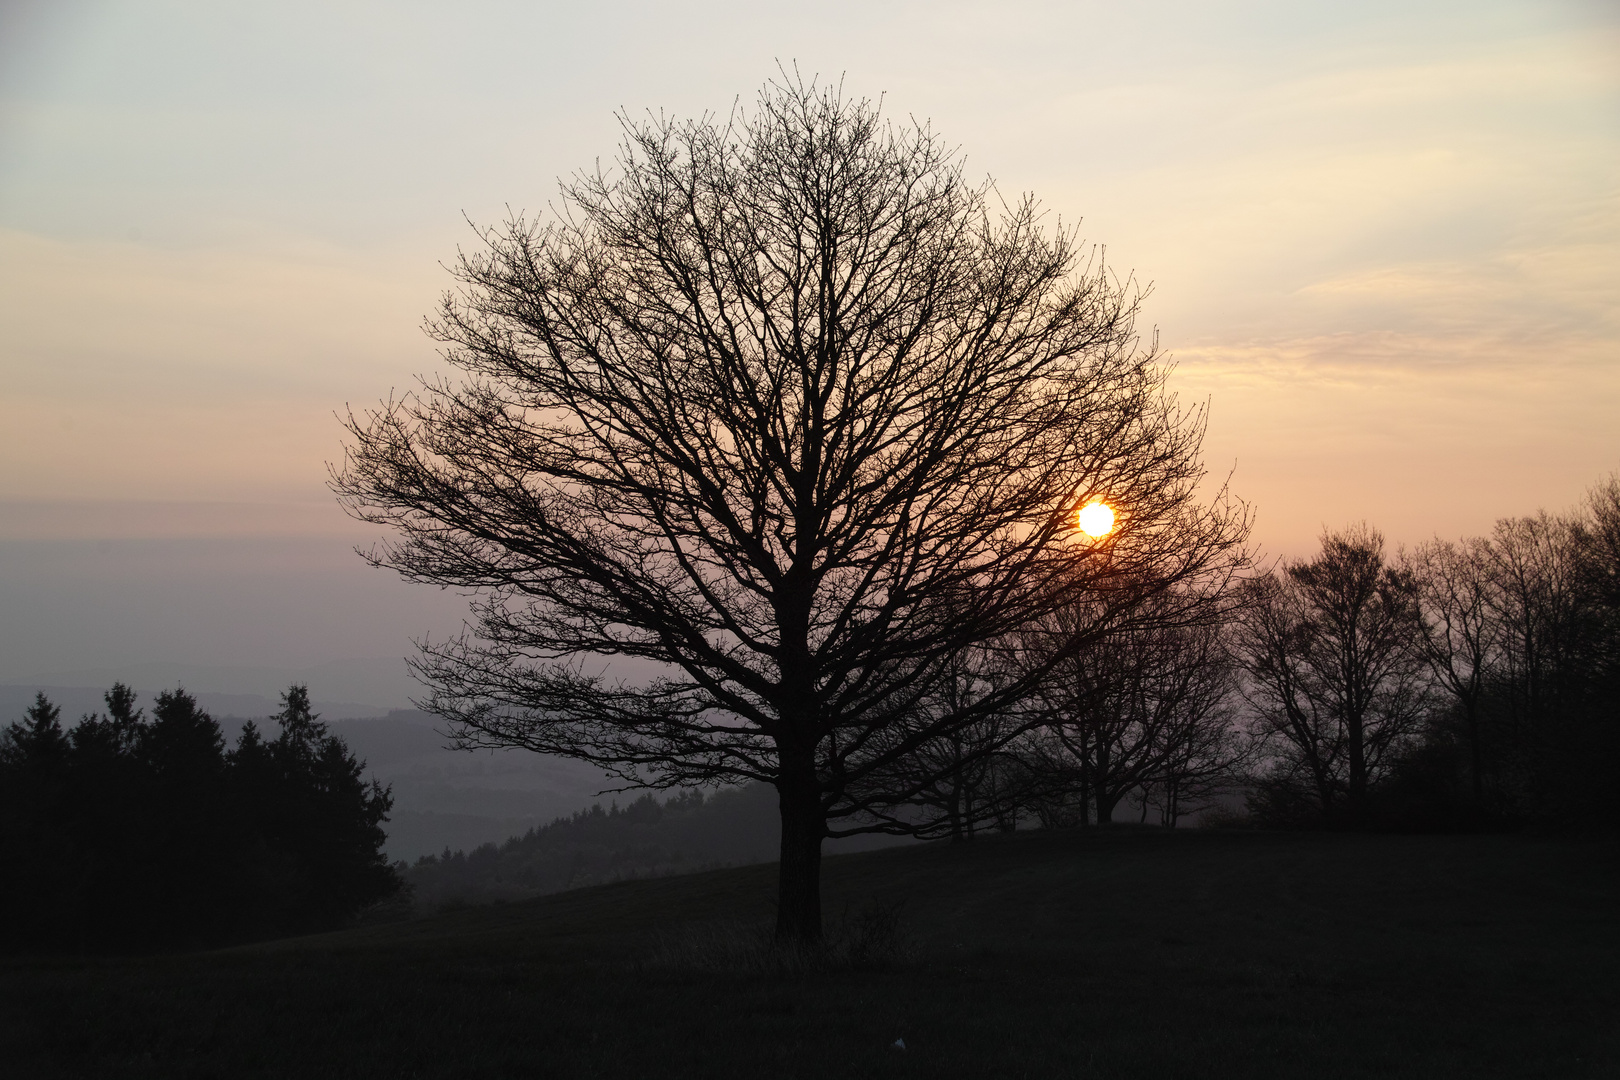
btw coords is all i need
(1203, 753)
(1335, 674)
(788, 407)
(1146, 710)
(1522, 627)
(1461, 633)
(1544, 615)
(1597, 541)
(957, 780)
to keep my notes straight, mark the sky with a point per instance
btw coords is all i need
(1382, 241)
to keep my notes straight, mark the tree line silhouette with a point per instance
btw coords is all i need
(1463, 683)
(126, 832)
(1457, 686)
(788, 407)
(1467, 684)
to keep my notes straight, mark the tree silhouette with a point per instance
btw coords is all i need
(38, 742)
(954, 779)
(1336, 676)
(36, 845)
(1461, 635)
(1147, 710)
(311, 820)
(187, 841)
(1523, 634)
(789, 409)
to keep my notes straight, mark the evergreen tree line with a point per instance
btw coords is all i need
(130, 833)
(1458, 685)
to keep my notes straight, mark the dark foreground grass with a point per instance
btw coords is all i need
(1034, 955)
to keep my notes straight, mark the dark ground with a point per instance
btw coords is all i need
(1132, 954)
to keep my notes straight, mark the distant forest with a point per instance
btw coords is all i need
(645, 838)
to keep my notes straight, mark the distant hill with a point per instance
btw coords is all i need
(461, 799)
(645, 838)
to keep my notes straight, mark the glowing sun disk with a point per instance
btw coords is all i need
(1096, 519)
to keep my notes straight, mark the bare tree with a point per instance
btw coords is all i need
(1542, 610)
(1146, 710)
(1461, 633)
(1521, 630)
(1538, 602)
(789, 408)
(1335, 673)
(958, 779)
(1597, 536)
(1597, 539)
(1201, 754)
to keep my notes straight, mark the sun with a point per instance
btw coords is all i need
(1096, 519)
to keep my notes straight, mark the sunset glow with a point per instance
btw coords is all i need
(1096, 520)
(1379, 240)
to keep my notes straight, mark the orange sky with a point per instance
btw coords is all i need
(1384, 244)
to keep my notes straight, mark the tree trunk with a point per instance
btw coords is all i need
(955, 808)
(804, 824)
(1476, 754)
(1085, 784)
(1170, 813)
(1104, 797)
(1355, 737)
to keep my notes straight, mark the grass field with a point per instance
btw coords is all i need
(1126, 954)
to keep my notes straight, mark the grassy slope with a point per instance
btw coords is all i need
(1124, 955)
